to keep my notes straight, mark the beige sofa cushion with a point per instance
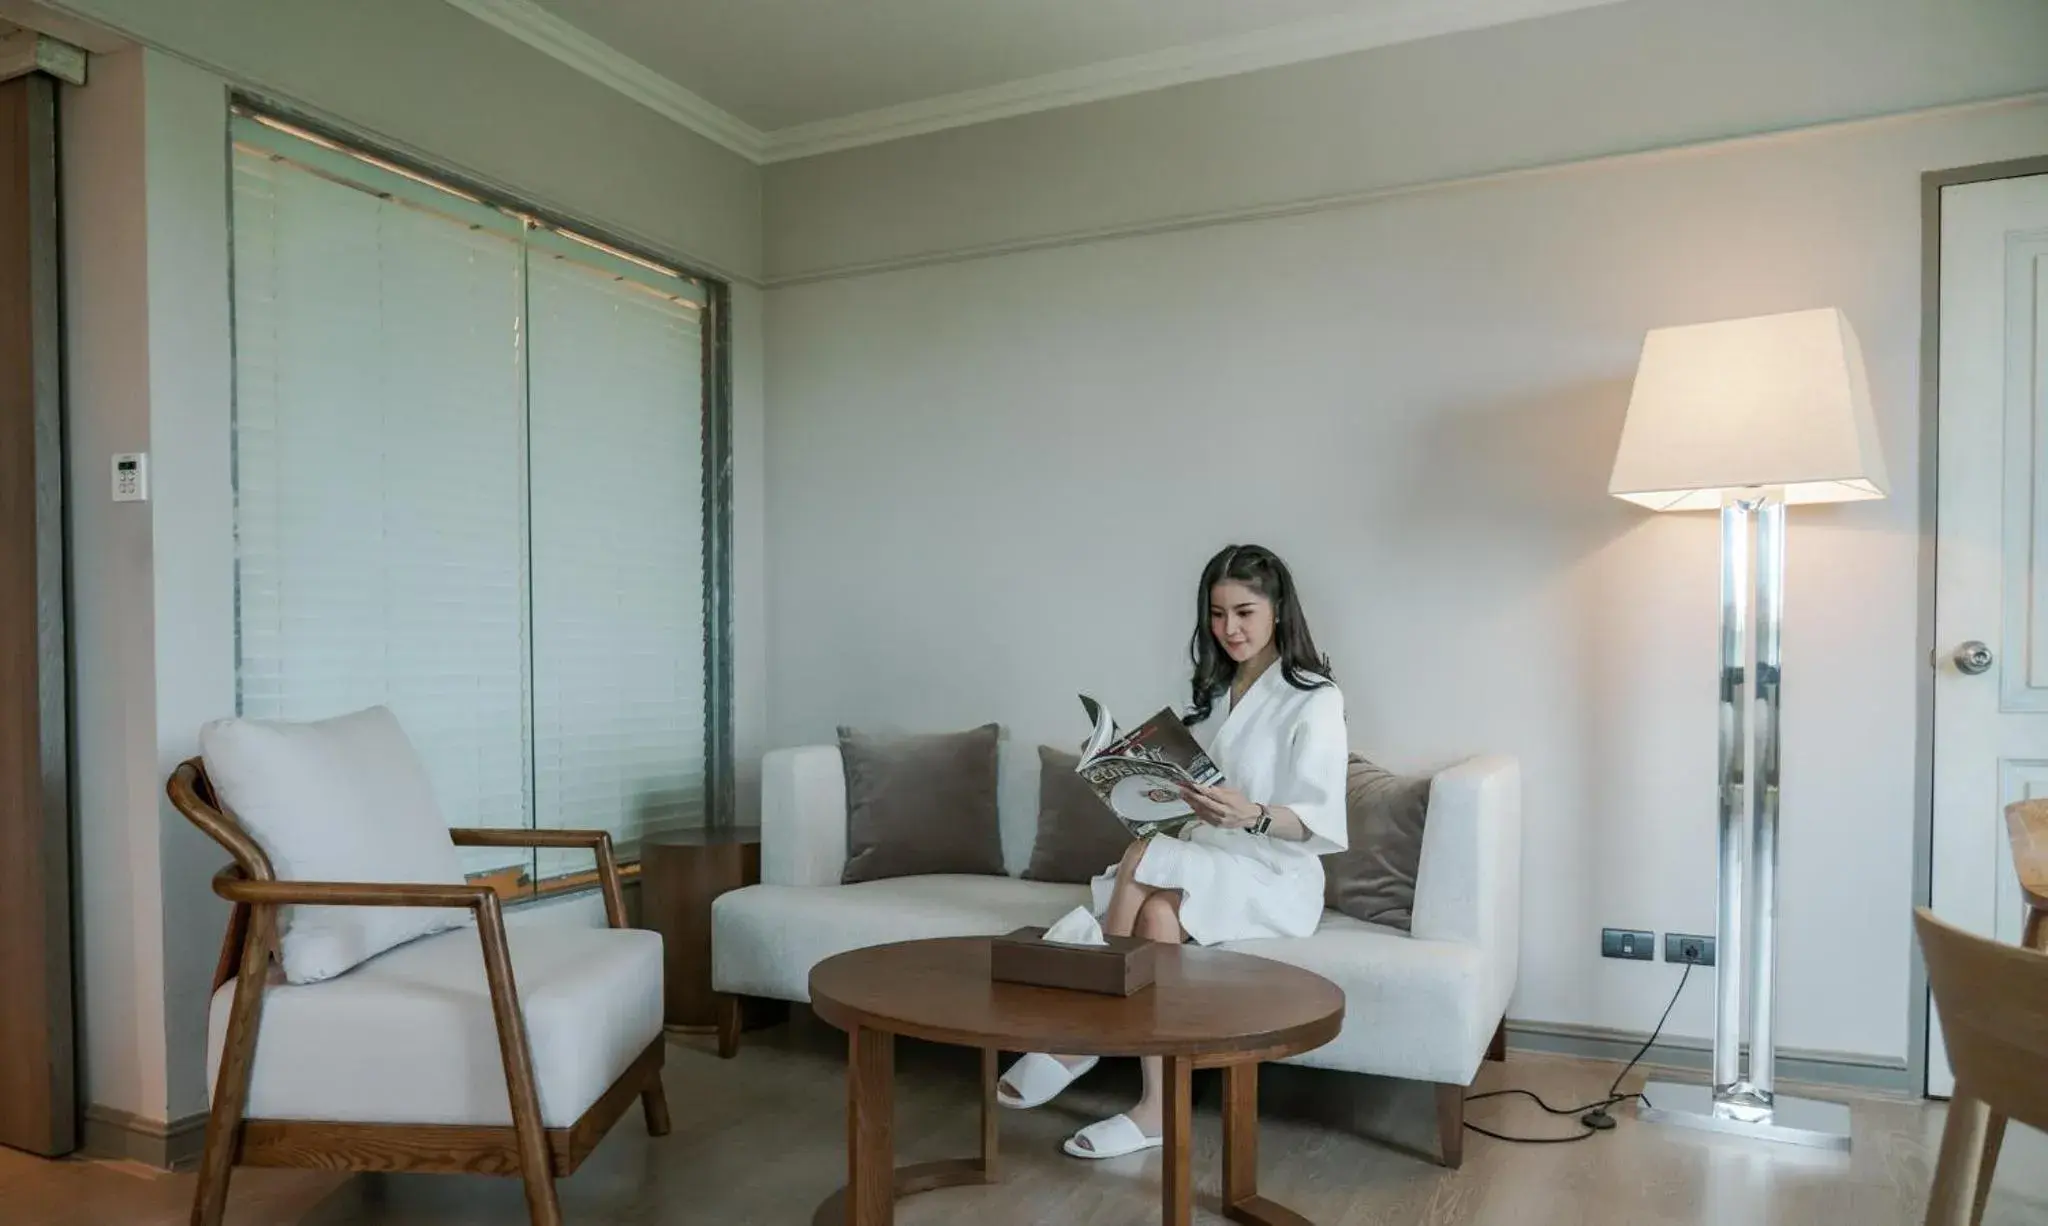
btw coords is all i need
(768, 937)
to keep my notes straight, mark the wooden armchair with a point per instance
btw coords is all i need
(2026, 829)
(357, 1027)
(1993, 1002)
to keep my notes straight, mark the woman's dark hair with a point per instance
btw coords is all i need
(1260, 569)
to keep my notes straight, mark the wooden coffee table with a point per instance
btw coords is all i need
(1207, 1008)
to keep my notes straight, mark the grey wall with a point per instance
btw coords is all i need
(120, 906)
(191, 392)
(149, 368)
(992, 480)
(429, 78)
(1642, 75)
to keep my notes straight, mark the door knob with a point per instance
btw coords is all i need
(1972, 658)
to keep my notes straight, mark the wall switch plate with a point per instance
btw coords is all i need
(131, 477)
(1628, 943)
(1679, 947)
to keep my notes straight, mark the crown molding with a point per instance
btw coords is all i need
(543, 31)
(1366, 197)
(1393, 21)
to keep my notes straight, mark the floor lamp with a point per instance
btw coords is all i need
(1748, 417)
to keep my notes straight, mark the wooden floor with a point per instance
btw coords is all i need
(759, 1140)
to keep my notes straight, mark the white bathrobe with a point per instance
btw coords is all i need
(1279, 746)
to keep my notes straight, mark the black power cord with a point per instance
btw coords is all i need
(1592, 1116)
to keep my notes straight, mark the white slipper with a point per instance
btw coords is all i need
(1110, 1138)
(1039, 1079)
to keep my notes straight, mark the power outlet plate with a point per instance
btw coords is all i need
(1630, 943)
(1692, 950)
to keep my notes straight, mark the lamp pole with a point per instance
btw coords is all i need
(1752, 622)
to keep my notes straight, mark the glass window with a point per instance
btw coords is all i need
(471, 457)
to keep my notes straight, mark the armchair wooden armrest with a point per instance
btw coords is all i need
(497, 836)
(230, 884)
(259, 898)
(598, 841)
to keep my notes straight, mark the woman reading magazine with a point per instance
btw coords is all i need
(1266, 710)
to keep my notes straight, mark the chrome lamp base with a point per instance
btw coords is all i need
(1743, 1100)
(1792, 1121)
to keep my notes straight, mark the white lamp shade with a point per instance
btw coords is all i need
(1773, 401)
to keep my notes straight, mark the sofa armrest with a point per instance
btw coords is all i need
(803, 816)
(1468, 887)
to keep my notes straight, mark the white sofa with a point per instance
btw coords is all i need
(1426, 1005)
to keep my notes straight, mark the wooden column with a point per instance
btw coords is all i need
(38, 1090)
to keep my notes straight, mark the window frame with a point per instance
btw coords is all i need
(715, 417)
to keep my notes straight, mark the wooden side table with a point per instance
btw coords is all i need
(681, 872)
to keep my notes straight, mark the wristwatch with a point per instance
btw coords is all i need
(1265, 821)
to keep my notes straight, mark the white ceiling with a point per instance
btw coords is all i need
(786, 78)
(778, 63)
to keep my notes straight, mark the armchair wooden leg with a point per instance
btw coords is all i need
(1450, 1123)
(1497, 1051)
(654, 1105)
(231, 1085)
(536, 1166)
(728, 1025)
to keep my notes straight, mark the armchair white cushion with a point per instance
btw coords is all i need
(342, 799)
(408, 1037)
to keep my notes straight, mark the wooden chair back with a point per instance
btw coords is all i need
(2026, 828)
(192, 794)
(1992, 999)
(1993, 1002)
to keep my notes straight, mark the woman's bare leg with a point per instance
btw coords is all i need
(1158, 920)
(1118, 920)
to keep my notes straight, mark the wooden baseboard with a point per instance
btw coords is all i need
(172, 1146)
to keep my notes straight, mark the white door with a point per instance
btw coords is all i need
(1991, 584)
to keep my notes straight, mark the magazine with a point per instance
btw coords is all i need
(1139, 773)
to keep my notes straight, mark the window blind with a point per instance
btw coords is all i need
(379, 460)
(618, 565)
(469, 458)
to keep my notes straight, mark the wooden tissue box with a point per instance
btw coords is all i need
(1119, 968)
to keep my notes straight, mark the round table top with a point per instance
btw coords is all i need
(1202, 1002)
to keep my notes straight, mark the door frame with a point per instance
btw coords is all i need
(38, 945)
(1920, 1013)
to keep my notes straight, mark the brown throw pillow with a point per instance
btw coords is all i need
(921, 804)
(1078, 837)
(1374, 880)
